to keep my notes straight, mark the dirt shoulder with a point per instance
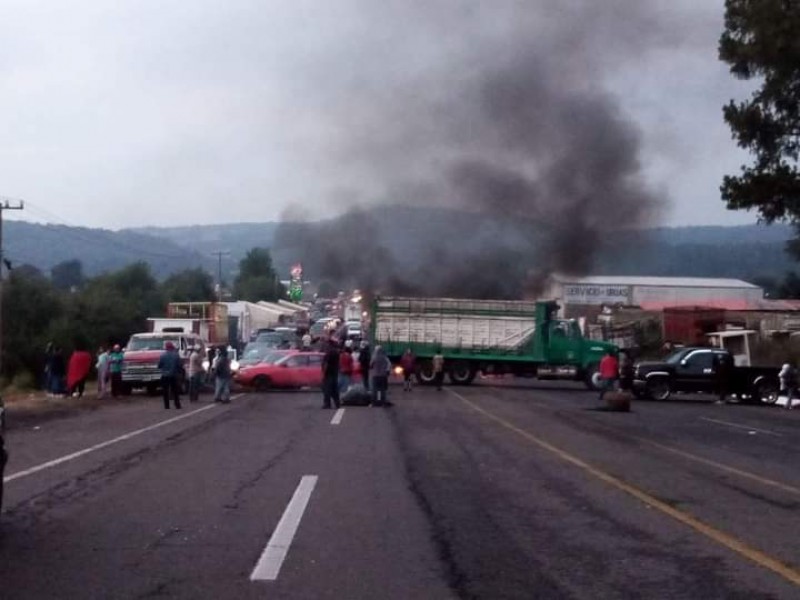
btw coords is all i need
(29, 408)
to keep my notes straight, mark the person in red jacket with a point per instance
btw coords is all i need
(408, 362)
(346, 367)
(609, 373)
(78, 370)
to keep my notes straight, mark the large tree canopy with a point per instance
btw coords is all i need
(761, 41)
(257, 279)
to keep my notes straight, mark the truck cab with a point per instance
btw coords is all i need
(564, 351)
(140, 359)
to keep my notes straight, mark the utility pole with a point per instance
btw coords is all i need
(5, 204)
(219, 256)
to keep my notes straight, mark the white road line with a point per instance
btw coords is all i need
(269, 565)
(337, 416)
(740, 426)
(105, 444)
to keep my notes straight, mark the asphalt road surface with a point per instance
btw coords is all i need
(513, 490)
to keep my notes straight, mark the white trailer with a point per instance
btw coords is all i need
(455, 324)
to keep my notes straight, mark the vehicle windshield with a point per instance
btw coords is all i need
(676, 357)
(150, 343)
(261, 353)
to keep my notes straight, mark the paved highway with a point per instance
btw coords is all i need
(516, 490)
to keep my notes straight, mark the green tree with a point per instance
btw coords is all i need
(30, 306)
(761, 41)
(67, 275)
(191, 285)
(257, 279)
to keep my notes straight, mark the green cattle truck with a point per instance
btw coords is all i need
(521, 338)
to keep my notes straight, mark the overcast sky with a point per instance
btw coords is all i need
(143, 112)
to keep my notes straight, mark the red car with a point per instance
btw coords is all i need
(295, 370)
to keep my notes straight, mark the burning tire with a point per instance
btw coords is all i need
(461, 373)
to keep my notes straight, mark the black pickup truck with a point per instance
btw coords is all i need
(697, 371)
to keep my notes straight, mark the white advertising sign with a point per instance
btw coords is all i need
(597, 294)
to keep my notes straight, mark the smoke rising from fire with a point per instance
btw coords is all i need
(513, 125)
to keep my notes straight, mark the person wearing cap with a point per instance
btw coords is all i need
(788, 380)
(115, 370)
(171, 368)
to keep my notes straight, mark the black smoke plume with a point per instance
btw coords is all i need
(533, 158)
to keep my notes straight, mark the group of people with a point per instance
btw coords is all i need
(68, 378)
(64, 378)
(338, 370)
(173, 373)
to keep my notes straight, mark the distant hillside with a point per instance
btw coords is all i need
(100, 250)
(408, 232)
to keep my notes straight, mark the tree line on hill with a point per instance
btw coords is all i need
(74, 311)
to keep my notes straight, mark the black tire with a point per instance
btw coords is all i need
(152, 389)
(766, 392)
(262, 384)
(658, 388)
(461, 373)
(425, 374)
(591, 377)
(127, 389)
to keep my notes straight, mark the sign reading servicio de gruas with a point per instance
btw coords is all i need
(597, 294)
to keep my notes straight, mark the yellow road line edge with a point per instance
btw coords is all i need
(717, 535)
(721, 466)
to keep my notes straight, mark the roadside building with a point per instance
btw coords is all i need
(587, 296)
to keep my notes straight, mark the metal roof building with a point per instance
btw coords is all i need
(654, 293)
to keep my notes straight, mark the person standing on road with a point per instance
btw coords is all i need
(609, 373)
(438, 369)
(222, 371)
(330, 375)
(171, 368)
(48, 368)
(345, 369)
(195, 374)
(380, 367)
(788, 379)
(102, 372)
(115, 370)
(58, 370)
(408, 362)
(625, 371)
(364, 358)
(80, 363)
(722, 373)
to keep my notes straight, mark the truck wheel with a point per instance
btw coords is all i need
(657, 388)
(592, 377)
(261, 384)
(425, 373)
(127, 389)
(461, 373)
(766, 392)
(152, 389)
